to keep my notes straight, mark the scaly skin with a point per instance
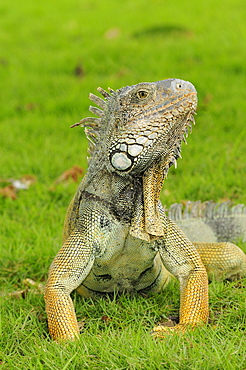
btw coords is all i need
(209, 221)
(117, 236)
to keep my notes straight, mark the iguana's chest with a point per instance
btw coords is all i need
(128, 264)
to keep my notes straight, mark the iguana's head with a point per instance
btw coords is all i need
(142, 124)
(138, 134)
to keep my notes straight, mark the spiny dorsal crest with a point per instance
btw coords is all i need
(205, 210)
(93, 125)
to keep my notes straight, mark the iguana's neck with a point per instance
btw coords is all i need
(133, 199)
(120, 193)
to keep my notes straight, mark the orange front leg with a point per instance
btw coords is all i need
(181, 258)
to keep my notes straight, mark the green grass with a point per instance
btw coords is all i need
(43, 44)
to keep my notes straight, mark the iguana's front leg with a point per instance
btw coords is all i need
(181, 258)
(70, 267)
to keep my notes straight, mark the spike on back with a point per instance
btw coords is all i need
(96, 111)
(97, 100)
(103, 92)
(111, 91)
(92, 124)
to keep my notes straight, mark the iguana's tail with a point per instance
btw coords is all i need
(210, 222)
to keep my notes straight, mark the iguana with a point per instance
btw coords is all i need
(117, 236)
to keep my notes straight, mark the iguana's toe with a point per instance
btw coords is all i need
(162, 330)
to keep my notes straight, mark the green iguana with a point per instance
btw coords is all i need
(117, 236)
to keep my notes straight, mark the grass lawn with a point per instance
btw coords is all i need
(53, 53)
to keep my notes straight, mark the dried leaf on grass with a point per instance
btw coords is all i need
(23, 183)
(106, 319)
(32, 286)
(39, 287)
(9, 191)
(18, 294)
(26, 180)
(169, 323)
(71, 174)
(81, 325)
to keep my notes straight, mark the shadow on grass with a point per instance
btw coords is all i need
(163, 31)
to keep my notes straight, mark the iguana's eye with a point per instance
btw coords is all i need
(179, 85)
(142, 94)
